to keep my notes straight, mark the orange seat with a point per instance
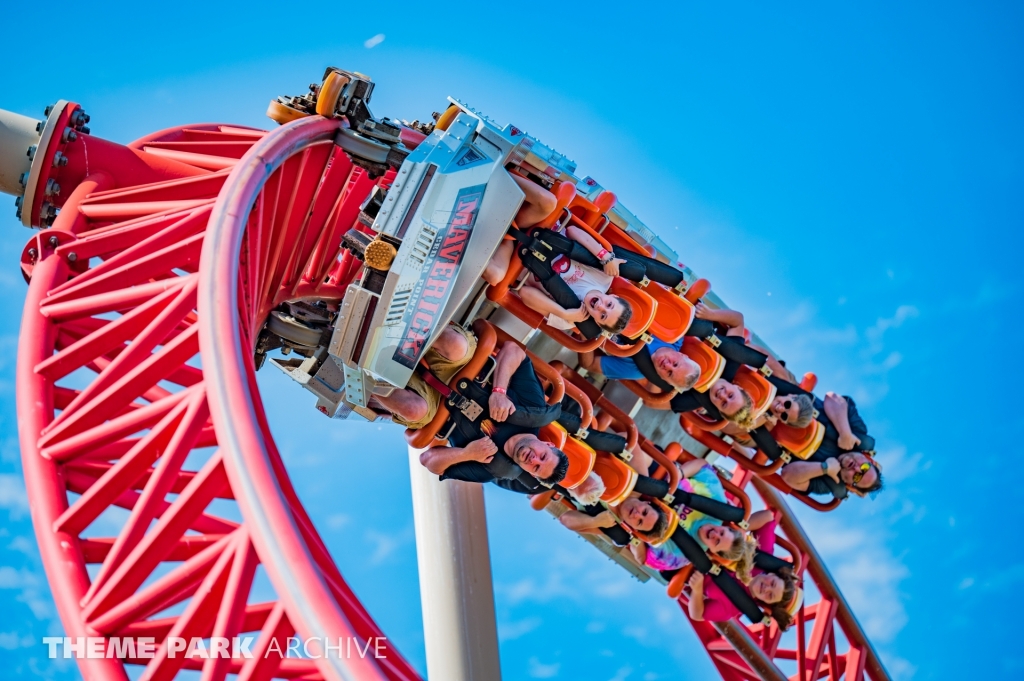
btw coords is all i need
(592, 212)
(711, 363)
(644, 306)
(617, 237)
(673, 315)
(564, 193)
(697, 290)
(800, 442)
(809, 381)
(581, 462)
(619, 479)
(553, 434)
(761, 391)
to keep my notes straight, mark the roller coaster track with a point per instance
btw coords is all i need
(136, 391)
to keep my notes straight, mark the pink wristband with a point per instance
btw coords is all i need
(602, 254)
(500, 391)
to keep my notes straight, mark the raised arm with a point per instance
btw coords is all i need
(590, 361)
(730, 318)
(509, 358)
(759, 519)
(692, 467)
(578, 521)
(696, 606)
(584, 239)
(438, 459)
(837, 410)
(542, 302)
(608, 260)
(798, 473)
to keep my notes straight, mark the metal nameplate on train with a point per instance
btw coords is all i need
(440, 268)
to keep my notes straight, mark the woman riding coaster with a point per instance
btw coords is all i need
(590, 285)
(776, 590)
(649, 518)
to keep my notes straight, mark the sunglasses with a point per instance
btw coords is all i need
(784, 416)
(859, 475)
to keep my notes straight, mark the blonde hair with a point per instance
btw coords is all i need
(744, 416)
(742, 552)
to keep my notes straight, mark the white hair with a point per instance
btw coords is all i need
(589, 491)
(692, 375)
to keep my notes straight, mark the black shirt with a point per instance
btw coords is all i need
(830, 443)
(526, 393)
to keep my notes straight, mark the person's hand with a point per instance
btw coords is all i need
(605, 519)
(833, 468)
(847, 441)
(500, 406)
(834, 400)
(696, 581)
(611, 268)
(703, 311)
(482, 450)
(577, 315)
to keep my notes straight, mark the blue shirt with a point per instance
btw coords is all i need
(624, 368)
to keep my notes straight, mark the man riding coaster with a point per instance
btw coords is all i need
(504, 448)
(649, 520)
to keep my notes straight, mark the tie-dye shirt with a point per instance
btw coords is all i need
(668, 556)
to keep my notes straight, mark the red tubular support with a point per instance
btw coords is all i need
(719, 445)
(586, 407)
(651, 400)
(699, 422)
(662, 460)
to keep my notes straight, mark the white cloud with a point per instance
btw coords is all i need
(867, 571)
(384, 545)
(12, 494)
(512, 630)
(338, 521)
(622, 674)
(539, 670)
(638, 633)
(11, 640)
(902, 314)
(373, 42)
(17, 579)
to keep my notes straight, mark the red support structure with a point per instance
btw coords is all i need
(165, 260)
(129, 316)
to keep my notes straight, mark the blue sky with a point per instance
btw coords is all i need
(844, 175)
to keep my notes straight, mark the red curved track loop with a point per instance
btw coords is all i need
(136, 458)
(829, 642)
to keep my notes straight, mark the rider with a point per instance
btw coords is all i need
(500, 448)
(776, 590)
(415, 406)
(590, 285)
(671, 365)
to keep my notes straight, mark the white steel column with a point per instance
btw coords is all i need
(455, 577)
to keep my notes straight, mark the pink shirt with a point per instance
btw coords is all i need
(717, 606)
